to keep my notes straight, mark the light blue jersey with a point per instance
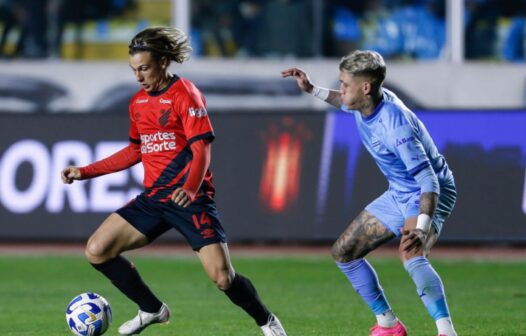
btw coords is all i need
(407, 156)
(399, 143)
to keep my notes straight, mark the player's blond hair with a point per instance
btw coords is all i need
(162, 41)
(365, 63)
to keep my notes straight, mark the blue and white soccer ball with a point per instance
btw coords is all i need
(88, 314)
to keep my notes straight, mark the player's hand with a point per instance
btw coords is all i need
(413, 240)
(301, 78)
(70, 174)
(181, 197)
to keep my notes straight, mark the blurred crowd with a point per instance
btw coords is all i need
(313, 28)
(37, 26)
(413, 29)
(399, 29)
(495, 29)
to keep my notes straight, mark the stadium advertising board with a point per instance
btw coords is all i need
(290, 176)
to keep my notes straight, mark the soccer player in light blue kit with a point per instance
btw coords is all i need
(421, 192)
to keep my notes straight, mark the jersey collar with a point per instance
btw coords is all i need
(376, 110)
(174, 79)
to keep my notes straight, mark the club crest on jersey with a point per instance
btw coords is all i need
(165, 115)
(197, 112)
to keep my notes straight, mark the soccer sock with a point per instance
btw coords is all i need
(387, 319)
(243, 294)
(125, 277)
(365, 281)
(445, 327)
(431, 290)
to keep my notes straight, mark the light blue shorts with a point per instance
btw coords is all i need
(393, 207)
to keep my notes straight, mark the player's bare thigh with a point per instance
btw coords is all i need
(114, 236)
(432, 238)
(363, 235)
(215, 259)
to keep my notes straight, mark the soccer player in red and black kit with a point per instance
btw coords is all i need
(170, 133)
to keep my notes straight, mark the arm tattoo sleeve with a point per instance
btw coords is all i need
(428, 203)
(334, 98)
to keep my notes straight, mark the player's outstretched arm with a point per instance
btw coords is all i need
(301, 78)
(334, 98)
(123, 159)
(330, 96)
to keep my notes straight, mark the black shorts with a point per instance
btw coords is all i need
(199, 222)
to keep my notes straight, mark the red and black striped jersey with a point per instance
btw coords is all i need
(164, 124)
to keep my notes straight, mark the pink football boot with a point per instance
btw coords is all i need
(397, 330)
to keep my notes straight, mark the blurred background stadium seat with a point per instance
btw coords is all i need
(65, 86)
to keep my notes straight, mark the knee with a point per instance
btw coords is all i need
(336, 253)
(408, 255)
(341, 254)
(96, 252)
(222, 279)
(404, 255)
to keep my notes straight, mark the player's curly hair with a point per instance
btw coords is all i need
(162, 41)
(365, 63)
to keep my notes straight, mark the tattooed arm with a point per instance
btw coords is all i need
(334, 98)
(428, 203)
(414, 238)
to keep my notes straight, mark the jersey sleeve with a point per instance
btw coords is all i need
(194, 116)
(200, 163)
(123, 159)
(406, 145)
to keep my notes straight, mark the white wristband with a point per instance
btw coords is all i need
(319, 92)
(423, 222)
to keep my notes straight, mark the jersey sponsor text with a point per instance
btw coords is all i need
(157, 142)
(197, 112)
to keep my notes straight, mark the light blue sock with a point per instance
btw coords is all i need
(365, 281)
(428, 286)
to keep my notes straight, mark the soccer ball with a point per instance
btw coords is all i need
(88, 314)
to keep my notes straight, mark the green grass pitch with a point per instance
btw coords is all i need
(309, 294)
